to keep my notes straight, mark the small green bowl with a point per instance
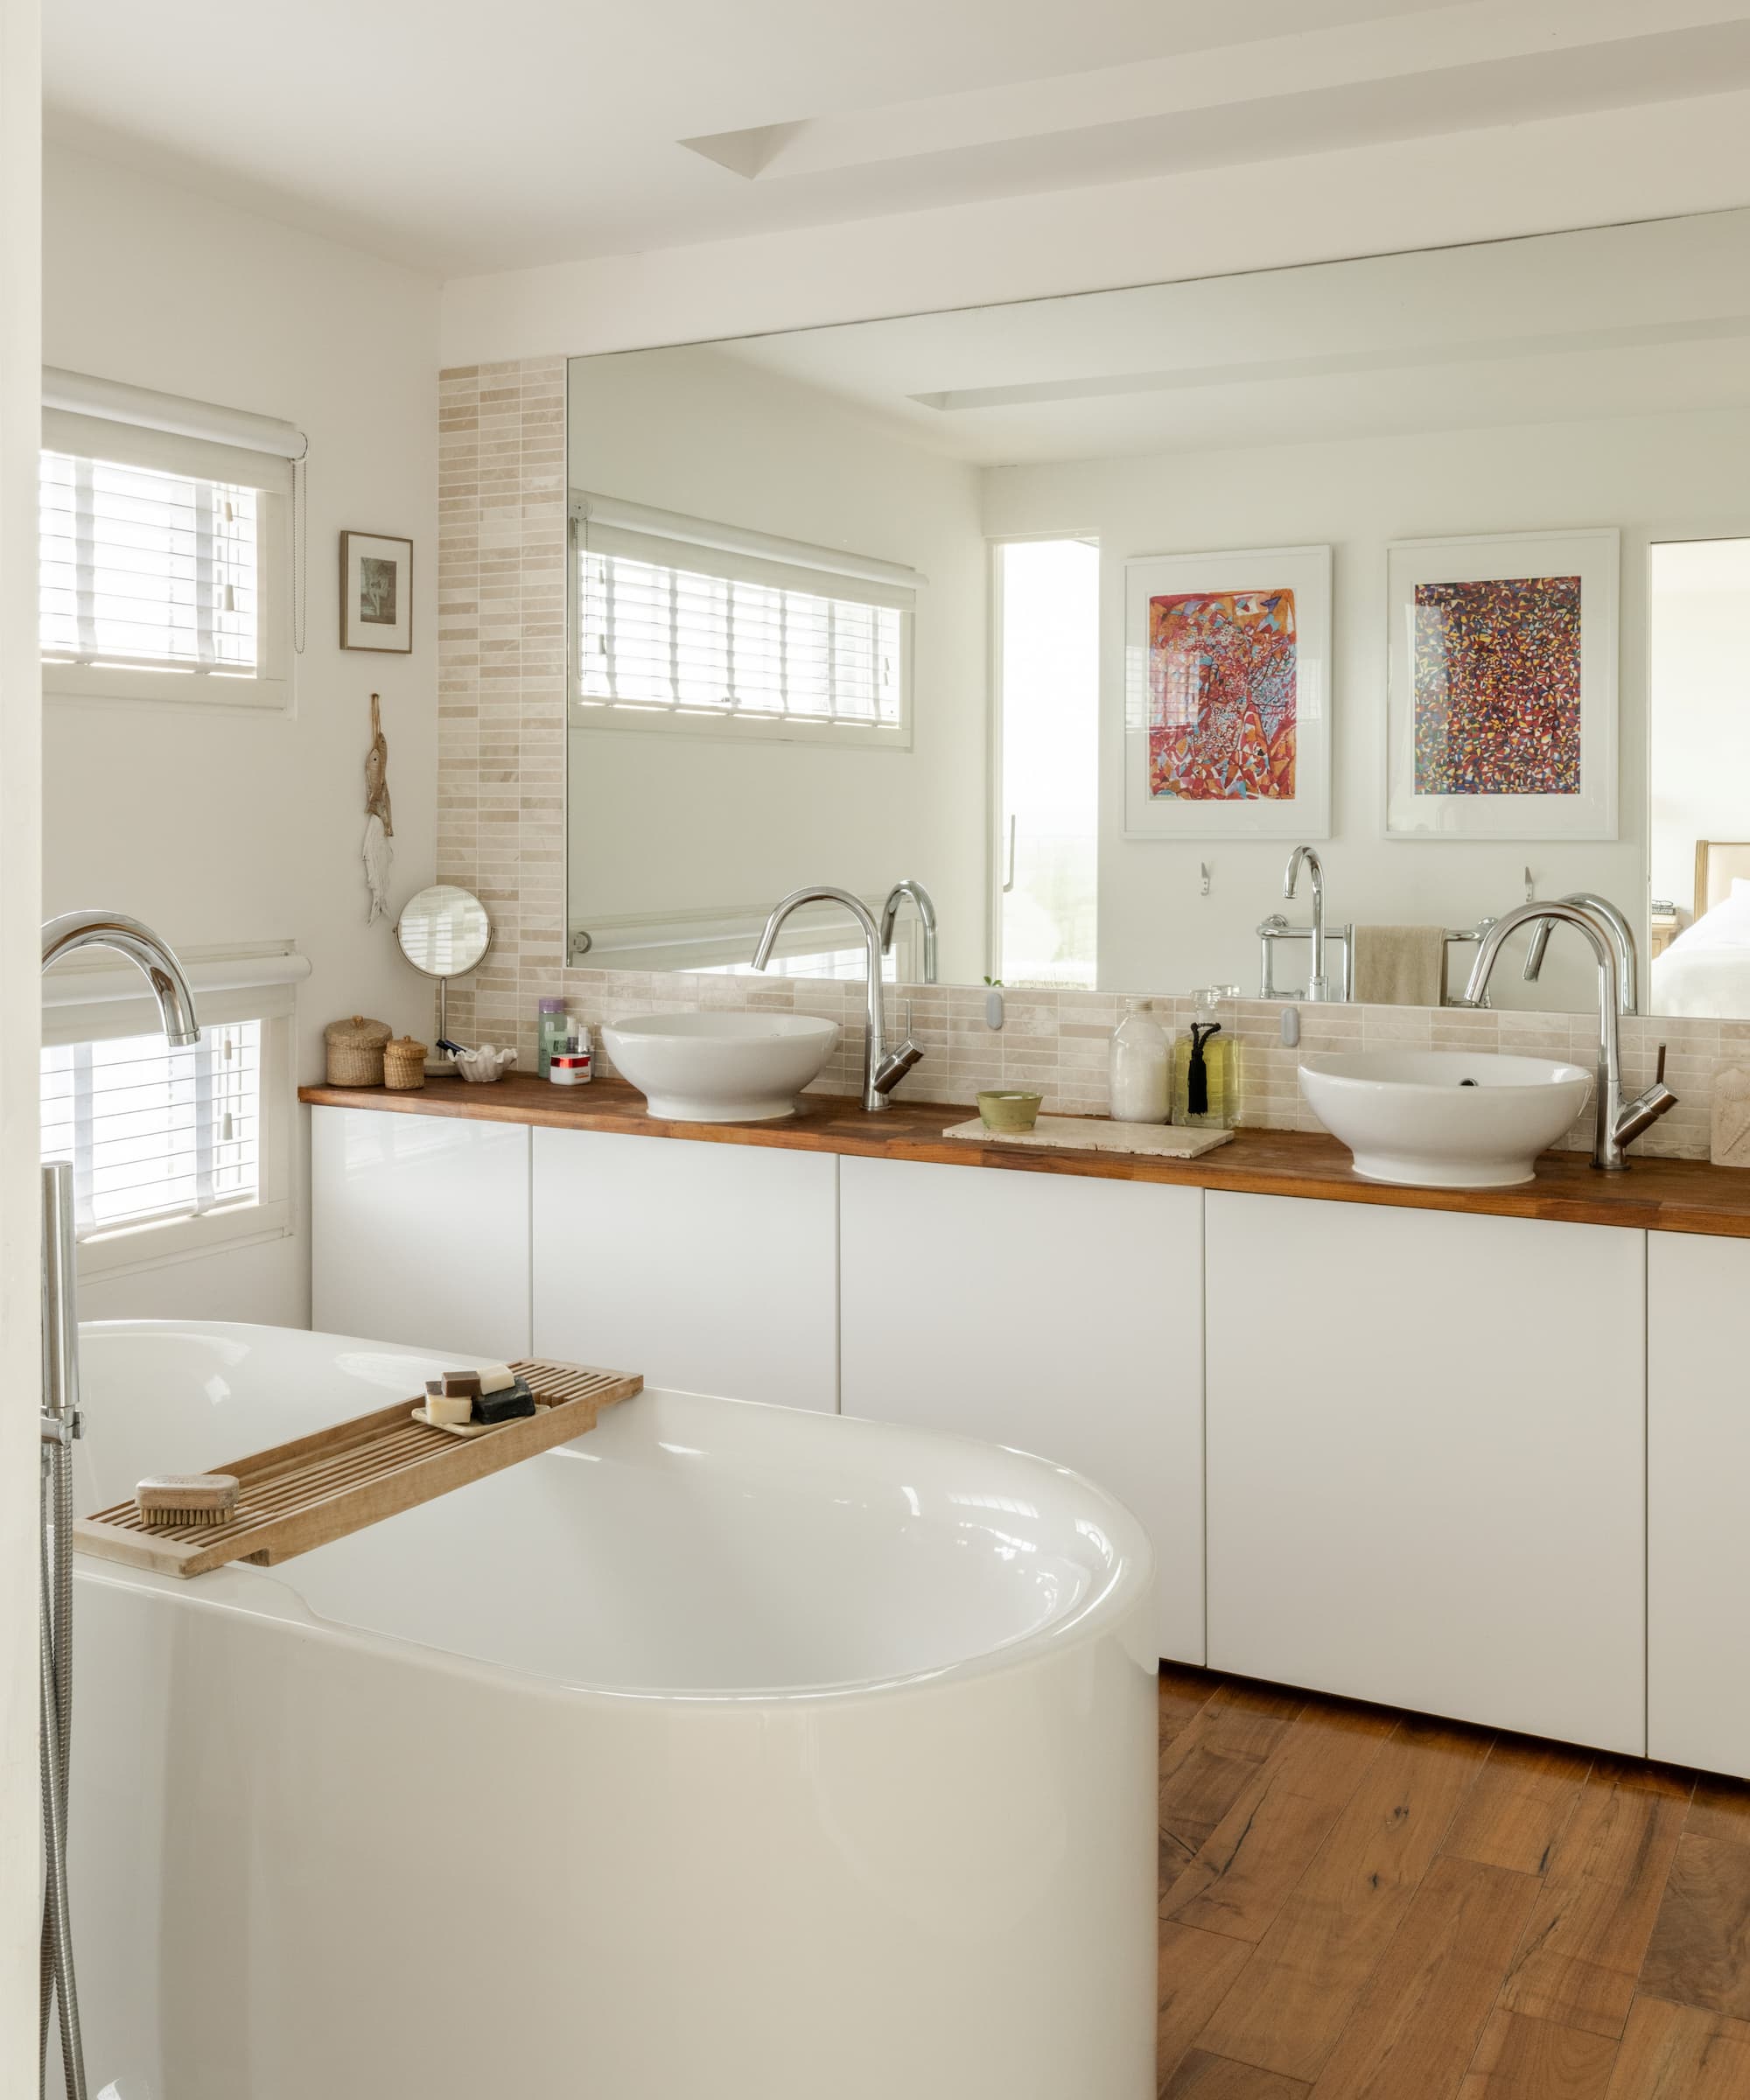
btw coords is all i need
(1008, 1109)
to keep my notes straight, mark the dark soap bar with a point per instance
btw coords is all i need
(505, 1406)
(455, 1385)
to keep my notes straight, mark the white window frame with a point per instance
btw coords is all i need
(71, 1014)
(668, 535)
(166, 452)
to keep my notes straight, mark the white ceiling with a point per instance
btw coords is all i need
(1611, 321)
(463, 138)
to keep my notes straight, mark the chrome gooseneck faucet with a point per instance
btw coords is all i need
(60, 1427)
(1318, 985)
(1621, 938)
(926, 904)
(1616, 1123)
(883, 1070)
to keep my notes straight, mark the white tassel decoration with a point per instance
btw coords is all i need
(379, 855)
(379, 858)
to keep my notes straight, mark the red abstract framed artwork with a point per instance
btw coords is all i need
(1227, 707)
(1503, 687)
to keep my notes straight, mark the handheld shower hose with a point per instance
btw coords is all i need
(60, 1429)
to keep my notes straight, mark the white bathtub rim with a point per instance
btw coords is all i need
(237, 1589)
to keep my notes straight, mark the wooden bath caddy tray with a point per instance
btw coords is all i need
(320, 1488)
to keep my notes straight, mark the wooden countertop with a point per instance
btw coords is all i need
(1660, 1195)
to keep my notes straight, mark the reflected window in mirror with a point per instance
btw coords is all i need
(1048, 702)
(685, 626)
(844, 964)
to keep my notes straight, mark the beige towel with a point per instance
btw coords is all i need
(1400, 966)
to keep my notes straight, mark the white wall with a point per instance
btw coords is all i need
(223, 826)
(1700, 708)
(1650, 161)
(666, 823)
(1655, 477)
(20, 916)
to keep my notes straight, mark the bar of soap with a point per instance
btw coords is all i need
(506, 1404)
(496, 1378)
(453, 1385)
(449, 1407)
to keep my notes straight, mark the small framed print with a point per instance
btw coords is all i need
(376, 593)
(1501, 721)
(1228, 695)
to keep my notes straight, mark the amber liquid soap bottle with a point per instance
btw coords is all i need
(1206, 1063)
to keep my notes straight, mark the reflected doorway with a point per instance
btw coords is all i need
(1048, 712)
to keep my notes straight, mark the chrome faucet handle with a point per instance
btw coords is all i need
(895, 1065)
(1645, 1109)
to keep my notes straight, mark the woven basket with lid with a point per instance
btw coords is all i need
(403, 1064)
(355, 1051)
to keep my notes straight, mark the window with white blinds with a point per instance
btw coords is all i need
(165, 567)
(145, 570)
(156, 1134)
(708, 639)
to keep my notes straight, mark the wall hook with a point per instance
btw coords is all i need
(1530, 888)
(1203, 873)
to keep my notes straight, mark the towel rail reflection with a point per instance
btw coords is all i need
(1275, 927)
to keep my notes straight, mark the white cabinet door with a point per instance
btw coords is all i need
(709, 1268)
(1058, 1314)
(1698, 1502)
(419, 1229)
(1427, 1461)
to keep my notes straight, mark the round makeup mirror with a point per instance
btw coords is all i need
(443, 932)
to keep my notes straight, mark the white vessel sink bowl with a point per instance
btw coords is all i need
(1444, 1119)
(721, 1068)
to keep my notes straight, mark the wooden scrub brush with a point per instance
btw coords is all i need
(167, 1499)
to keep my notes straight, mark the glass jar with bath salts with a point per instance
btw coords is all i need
(1140, 1067)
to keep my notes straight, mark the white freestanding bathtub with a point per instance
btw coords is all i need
(730, 1753)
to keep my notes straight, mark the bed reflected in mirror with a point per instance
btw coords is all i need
(1699, 909)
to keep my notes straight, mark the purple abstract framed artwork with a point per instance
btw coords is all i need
(1502, 678)
(1226, 705)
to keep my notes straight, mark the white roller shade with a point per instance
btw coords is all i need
(597, 512)
(139, 408)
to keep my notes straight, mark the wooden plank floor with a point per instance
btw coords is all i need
(1362, 1904)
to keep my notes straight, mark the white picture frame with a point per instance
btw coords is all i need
(1304, 814)
(1592, 558)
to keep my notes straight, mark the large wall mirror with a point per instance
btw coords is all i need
(1084, 613)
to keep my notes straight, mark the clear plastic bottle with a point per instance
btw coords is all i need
(553, 1028)
(1140, 1067)
(1206, 1063)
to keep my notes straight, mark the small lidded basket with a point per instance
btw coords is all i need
(355, 1051)
(403, 1064)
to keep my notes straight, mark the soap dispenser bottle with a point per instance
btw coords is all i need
(1140, 1067)
(1206, 1063)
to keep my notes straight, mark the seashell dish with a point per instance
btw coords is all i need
(483, 1065)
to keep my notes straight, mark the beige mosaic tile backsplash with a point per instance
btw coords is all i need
(501, 833)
